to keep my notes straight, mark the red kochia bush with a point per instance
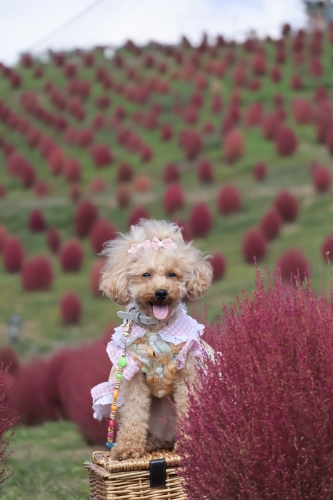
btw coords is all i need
(254, 245)
(142, 183)
(270, 125)
(253, 115)
(320, 94)
(56, 161)
(103, 102)
(36, 221)
(259, 64)
(292, 262)
(260, 171)
(102, 155)
(296, 82)
(191, 143)
(276, 74)
(8, 418)
(268, 400)
(316, 67)
(75, 192)
(327, 249)
(78, 376)
(73, 170)
(302, 111)
(13, 255)
(186, 230)
(51, 374)
(70, 70)
(146, 153)
(278, 100)
(9, 356)
(171, 173)
(53, 239)
(190, 115)
(71, 256)
(228, 200)
(233, 145)
(97, 185)
(285, 141)
(85, 216)
(41, 188)
(217, 104)
(205, 171)
(326, 135)
(37, 274)
(287, 205)
(219, 264)
(196, 100)
(124, 173)
(29, 394)
(239, 76)
(322, 179)
(3, 236)
(200, 220)
(101, 232)
(94, 278)
(173, 198)
(166, 132)
(281, 114)
(70, 308)
(123, 195)
(270, 224)
(137, 214)
(76, 109)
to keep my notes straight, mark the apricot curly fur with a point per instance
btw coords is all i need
(146, 422)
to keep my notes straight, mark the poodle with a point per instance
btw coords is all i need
(150, 270)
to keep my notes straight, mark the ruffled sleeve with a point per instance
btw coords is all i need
(102, 394)
(193, 343)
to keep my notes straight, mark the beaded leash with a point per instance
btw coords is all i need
(122, 362)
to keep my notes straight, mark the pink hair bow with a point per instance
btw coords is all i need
(136, 246)
(166, 243)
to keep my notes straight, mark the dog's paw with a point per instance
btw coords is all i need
(120, 452)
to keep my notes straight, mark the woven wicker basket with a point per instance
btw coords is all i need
(130, 479)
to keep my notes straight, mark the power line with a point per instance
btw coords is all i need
(115, 17)
(66, 24)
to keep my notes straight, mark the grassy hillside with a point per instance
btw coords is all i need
(42, 327)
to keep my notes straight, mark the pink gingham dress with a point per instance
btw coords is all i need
(184, 330)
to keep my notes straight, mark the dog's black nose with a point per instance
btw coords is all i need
(161, 294)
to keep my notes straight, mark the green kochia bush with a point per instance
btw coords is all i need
(260, 425)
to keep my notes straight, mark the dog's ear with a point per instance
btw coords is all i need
(200, 279)
(115, 281)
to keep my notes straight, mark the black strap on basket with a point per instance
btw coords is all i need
(157, 469)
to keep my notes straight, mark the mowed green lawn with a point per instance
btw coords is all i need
(47, 460)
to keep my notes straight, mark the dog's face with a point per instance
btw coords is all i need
(156, 279)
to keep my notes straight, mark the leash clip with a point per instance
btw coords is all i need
(126, 335)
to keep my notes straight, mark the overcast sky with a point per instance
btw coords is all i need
(33, 25)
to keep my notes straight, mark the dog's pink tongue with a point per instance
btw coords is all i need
(160, 312)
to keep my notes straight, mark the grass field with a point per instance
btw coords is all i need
(47, 460)
(47, 464)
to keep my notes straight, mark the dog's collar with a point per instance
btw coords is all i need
(137, 317)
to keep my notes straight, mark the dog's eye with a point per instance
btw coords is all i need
(172, 275)
(146, 275)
